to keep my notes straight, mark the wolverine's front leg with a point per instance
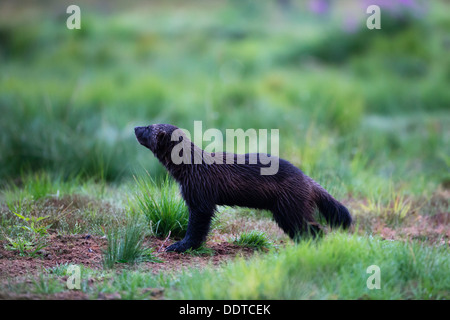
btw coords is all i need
(197, 230)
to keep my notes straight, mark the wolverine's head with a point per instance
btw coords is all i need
(156, 137)
(171, 145)
(161, 139)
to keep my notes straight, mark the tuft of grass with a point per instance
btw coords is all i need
(161, 205)
(253, 239)
(130, 285)
(125, 245)
(390, 206)
(45, 285)
(30, 235)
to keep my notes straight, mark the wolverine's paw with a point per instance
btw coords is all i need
(180, 246)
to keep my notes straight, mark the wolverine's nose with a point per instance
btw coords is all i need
(139, 131)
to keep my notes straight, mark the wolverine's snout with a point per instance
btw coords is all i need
(141, 134)
(139, 131)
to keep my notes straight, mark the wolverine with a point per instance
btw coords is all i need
(289, 194)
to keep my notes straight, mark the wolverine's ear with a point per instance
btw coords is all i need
(161, 135)
(161, 138)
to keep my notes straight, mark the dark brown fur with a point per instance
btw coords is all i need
(289, 194)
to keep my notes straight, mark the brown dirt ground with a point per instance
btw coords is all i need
(87, 250)
(221, 252)
(433, 229)
(73, 249)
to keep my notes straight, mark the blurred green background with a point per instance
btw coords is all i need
(357, 109)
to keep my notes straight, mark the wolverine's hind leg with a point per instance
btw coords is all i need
(296, 218)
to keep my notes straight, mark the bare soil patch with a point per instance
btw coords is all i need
(61, 249)
(433, 229)
(220, 252)
(87, 250)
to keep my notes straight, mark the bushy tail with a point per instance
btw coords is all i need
(332, 210)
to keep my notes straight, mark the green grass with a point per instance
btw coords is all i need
(162, 206)
(31, 236)
(200, 251)
(126, 245)
(84, 125)
(332, 268)
(253, 239)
